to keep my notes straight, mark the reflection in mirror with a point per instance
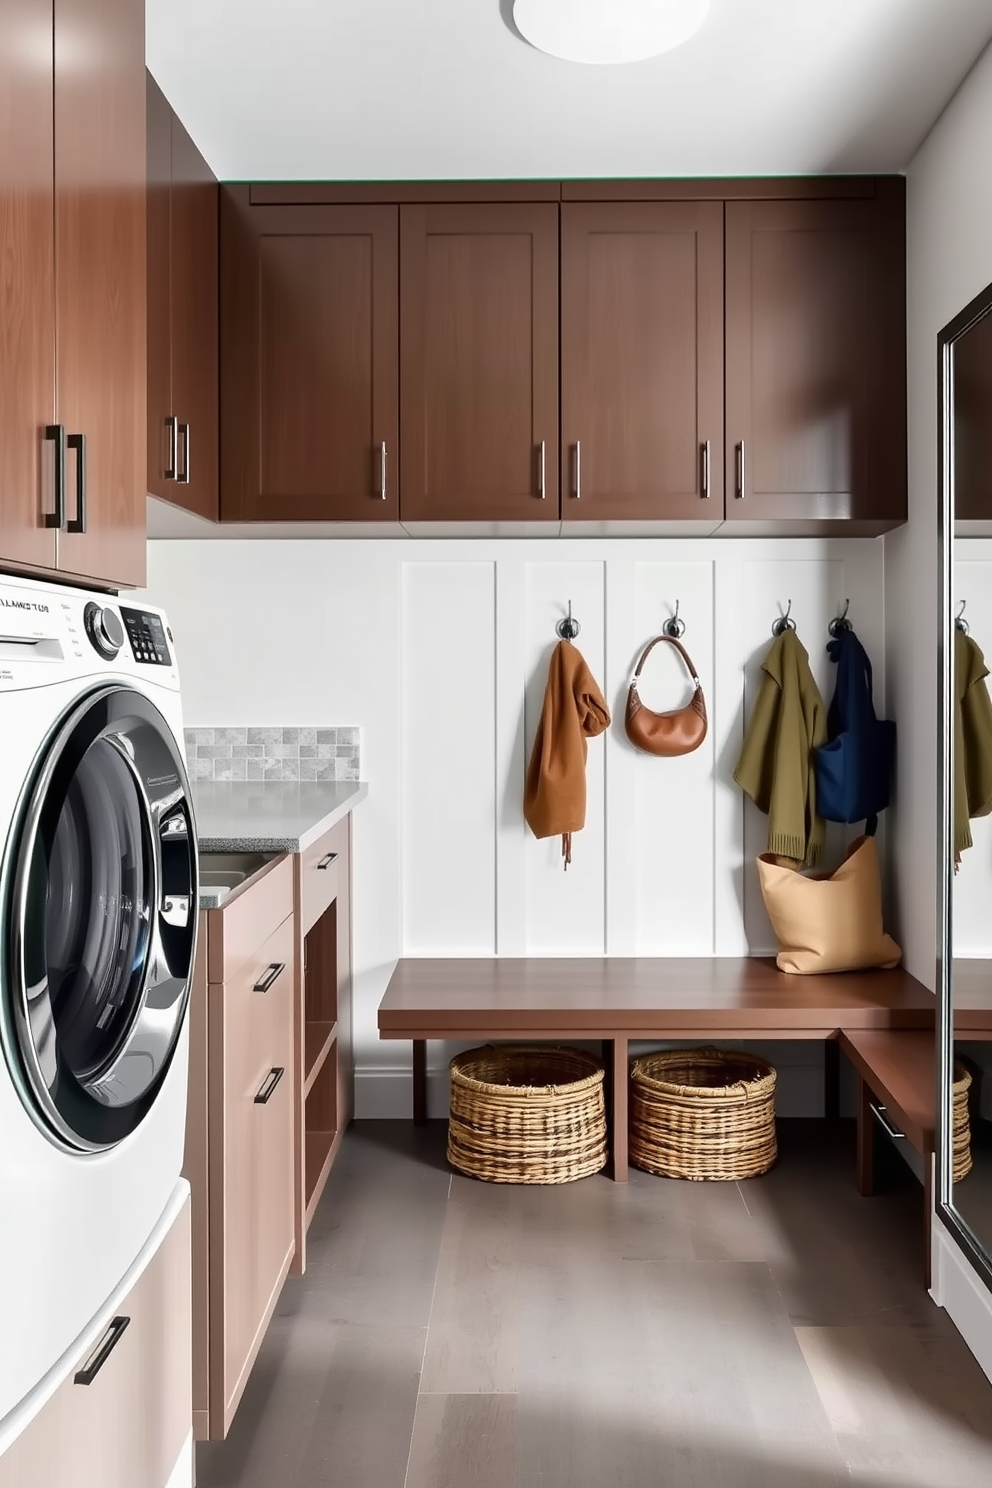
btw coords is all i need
(966, 1157)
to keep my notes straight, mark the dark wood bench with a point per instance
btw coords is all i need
(615, 1000)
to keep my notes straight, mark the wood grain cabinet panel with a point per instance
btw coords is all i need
(973, 424)
(309, 352)
(130, 1424)
(815, 379)
(252, 1076)
(195, 330)
(479, 362)
(183, 334)
(642, 361)
(100, 240)
(27, 284)
(159, 144)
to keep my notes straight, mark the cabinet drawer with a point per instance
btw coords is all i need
(251, 1162)
(321, 867)
(128, 1424)
(247, 919)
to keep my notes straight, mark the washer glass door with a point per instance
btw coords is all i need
(102, 918)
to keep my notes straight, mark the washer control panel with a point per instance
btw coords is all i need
(146, 633)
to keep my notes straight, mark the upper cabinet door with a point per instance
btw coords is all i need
(195, 388)
(642, 361)
(161, 433)
(479, 368)
(309, 356)
(27, 283)
(100, 237)
(816, 384)
(973, 424)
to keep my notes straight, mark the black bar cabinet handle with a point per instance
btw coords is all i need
(111, 1339)
(182, 474)
(269, 1084)
(56, 432)
(274, 972)
(172, 429)
(326, 862)
(77, 523)
(882, 1117)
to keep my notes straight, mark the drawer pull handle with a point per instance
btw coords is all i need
(881, 1116)
(108, 1343)
(271, 975)
(326, 862)
(268, 1085)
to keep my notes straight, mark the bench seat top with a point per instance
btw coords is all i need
(603, 997)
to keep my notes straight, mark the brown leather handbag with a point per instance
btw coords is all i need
(667, 734)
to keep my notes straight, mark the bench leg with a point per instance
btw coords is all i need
(866, 1142)
(420, 1082)
(617, 1081)
(831, 1079)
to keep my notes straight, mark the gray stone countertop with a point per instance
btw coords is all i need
(273, 816)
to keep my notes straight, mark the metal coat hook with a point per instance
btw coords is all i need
(840, 622)
(784, 622)
(568, 628)
(675, 628)
(959, 619)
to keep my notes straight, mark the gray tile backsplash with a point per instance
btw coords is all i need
(274, 753)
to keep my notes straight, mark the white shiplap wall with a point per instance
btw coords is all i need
(439, 650)
(973, 884)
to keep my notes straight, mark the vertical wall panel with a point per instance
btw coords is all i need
(566, 912)
(669, 831)
(448, 759)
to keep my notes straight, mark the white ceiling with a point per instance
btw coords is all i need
(442, 89)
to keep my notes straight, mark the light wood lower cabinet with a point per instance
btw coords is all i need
(240, 1135)
(122, 1416)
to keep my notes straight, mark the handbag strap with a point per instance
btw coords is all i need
(679, 648)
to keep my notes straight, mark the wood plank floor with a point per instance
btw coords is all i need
(454, 1334)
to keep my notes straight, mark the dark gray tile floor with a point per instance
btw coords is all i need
(454, 1334)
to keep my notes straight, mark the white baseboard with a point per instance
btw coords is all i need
(963, 1295)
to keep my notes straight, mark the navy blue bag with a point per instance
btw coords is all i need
(854, 768)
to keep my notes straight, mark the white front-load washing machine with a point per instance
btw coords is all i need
(98, 911)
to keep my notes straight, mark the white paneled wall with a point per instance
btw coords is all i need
(973, 884)
(439, 651)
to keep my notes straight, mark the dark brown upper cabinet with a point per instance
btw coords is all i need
(479, 362)
(972, 354)
(816, 364)
(183, 391)
(309, 358)
(72, 294)
(642, 363)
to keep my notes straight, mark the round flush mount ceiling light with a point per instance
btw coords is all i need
(608, 31)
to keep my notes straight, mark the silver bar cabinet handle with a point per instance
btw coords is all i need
(578, 469)
(382, 471)
(739, 452)
(706, 471)
(542, 472)
(882, 1117)
(182, 471)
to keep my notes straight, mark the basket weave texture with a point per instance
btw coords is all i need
(702, 1114)
(527, 1113)
(961, 1139)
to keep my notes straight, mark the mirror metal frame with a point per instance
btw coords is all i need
(952, 1221)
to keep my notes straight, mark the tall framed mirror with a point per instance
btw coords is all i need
(964, 1161)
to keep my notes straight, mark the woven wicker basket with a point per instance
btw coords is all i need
(962, 1123)
(527, 1113)
(702, 1113)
